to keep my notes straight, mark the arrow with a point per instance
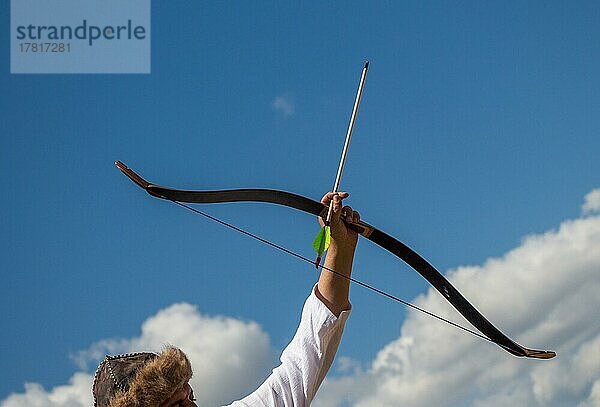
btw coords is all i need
(323, 238)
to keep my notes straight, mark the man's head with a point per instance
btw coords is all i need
(144, 379)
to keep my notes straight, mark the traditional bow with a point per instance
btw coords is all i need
(382, 239)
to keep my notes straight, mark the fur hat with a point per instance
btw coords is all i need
(141, 379)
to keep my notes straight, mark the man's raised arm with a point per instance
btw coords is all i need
(308, 357)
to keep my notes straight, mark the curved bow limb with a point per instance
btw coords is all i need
(382, 239)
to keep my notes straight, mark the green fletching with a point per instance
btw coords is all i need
(321, 242)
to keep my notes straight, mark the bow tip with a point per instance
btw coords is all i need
(540, 354)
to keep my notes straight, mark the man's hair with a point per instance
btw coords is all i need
(142, 379)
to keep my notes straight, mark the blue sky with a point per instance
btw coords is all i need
(478, 127)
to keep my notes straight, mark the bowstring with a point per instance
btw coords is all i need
(352, 279)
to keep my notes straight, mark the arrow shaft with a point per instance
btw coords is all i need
(338, 177)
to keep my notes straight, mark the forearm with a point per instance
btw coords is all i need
(333, 289)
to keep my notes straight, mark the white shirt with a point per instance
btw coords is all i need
(304, 362)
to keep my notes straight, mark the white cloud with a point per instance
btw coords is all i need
(284, 105)
(230, 358)
(544, 293)
(592, 202)
(75, 394)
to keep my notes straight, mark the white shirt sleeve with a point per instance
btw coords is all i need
(304, 362)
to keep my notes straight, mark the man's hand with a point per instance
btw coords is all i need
(333, 289)
(343, 237)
